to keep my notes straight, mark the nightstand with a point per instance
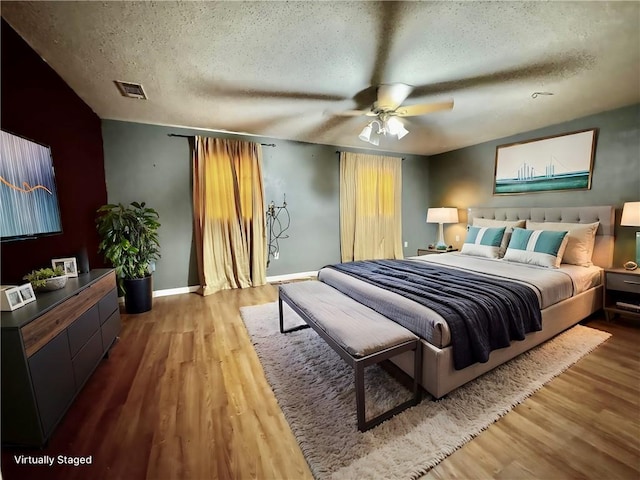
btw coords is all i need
(621, 292)
(427, 251)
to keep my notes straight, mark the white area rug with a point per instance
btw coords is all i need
(315, 390)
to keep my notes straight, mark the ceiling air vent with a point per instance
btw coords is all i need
(131, 90)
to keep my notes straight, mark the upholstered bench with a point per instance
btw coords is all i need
(361, 336)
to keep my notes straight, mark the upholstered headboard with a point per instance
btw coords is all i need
(603, 250)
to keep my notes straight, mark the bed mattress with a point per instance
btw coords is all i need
(550, 286)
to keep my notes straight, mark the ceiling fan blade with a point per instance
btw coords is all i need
(391, 96)
(423, 109)
(352, 113)
(386, 22)
(249, 93)
(550, 68)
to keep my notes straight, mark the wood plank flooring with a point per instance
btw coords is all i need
(183, 396)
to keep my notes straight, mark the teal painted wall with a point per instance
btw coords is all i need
(143, 163)
(464, 178)
(308, 175)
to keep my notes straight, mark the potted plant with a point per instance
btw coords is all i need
(46, 279)
(129, 240)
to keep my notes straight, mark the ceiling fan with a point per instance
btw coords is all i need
(387, 107)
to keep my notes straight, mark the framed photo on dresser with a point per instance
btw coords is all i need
(69, 265)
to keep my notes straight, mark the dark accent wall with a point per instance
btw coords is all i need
(38, 104)
(464, 178)
(143, 163)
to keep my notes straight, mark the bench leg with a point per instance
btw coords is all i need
(417, 373)
(281, 318)
(363, 423)
(359, 374)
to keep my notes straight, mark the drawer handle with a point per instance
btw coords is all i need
(631, 282)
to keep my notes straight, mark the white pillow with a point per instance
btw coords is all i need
(508, 224)
(582, 237)
(537, 247)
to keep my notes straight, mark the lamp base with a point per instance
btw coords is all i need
(633, 265)
(441, 245)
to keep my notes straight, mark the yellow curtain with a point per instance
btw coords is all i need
(370, 207)
(228, 202)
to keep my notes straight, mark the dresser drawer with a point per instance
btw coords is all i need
(87, 358)
(82, 329)
(108, 305)
(623, 282)
(110, 330)
(53, 382)
(38, 333)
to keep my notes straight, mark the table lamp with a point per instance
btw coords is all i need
(631, 218)
(442, 216)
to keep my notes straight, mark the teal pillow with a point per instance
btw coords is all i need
(537, 247)
(483, 241)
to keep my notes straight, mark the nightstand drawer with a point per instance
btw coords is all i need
(623, 282)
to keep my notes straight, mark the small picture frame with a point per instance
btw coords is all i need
(11, 299)
(69, 265)
(26, 293)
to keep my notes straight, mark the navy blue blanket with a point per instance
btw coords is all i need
(482, 313)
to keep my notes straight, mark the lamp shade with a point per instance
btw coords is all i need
(442, 215)
(630, 214)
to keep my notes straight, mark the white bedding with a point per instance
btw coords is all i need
(551, 286)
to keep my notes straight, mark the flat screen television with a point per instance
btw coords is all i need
(28, 195)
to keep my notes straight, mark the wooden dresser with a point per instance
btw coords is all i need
(50, 348)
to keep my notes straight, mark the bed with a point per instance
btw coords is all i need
(565, 295)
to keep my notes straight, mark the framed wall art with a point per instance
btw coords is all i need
(560, 162)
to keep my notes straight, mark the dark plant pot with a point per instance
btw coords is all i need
(138, 294)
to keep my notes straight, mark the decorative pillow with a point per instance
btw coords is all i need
(483, 242)
(508, 224)
(582, 237)
(536, 247)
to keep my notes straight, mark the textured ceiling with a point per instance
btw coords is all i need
(278, 69)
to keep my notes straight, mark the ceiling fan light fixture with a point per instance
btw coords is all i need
(386, 125)
(365, 134)
(395, 127)
(402, 132)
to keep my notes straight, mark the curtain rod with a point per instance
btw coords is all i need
(192, 136)
(340, 151)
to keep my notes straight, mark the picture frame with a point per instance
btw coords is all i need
(26, 293)
(10, 299)
(69, 265)
(549, 164)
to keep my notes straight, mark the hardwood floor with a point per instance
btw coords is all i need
(183, 396)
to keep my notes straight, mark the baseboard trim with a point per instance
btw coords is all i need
(175, 291)
(169, 291)
(292, 276)
(194, 288)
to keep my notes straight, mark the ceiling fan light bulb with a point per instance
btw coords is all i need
(375, 141)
